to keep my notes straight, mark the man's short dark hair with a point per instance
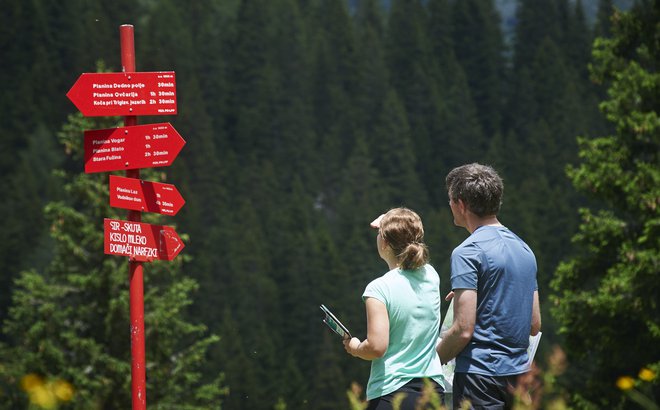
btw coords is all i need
(478, 186)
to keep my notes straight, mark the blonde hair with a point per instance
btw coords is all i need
(403, 231)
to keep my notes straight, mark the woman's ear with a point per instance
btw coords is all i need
(384, 245)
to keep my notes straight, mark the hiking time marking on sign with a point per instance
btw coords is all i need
(136, 93)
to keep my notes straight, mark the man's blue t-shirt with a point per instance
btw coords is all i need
(502, 269)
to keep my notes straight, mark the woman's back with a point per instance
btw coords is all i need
(412, 299)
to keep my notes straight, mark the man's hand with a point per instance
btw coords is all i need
(460, 332)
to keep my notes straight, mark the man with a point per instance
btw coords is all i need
(496, 302)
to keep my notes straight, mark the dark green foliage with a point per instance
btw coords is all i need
(26, 193)
(414, 76)
(537, 20)
(459, 137)
(603, 23)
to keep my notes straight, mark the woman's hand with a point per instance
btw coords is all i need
(378, 333)
(351, 345)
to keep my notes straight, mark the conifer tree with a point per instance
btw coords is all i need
(363, 197)
(252, 78)
(329, 387)
(290, 135)
(167, 25)
(460, 138)
(333, 89)
(465, 139)
(373, 76)
(479, 48)
(234, 360)
(536, 20)
(24, 234)
(251, 295)
(394, 156)
(603, 23)
(213, 24)
(440, 29)
(370, 13)
(314, 274)
(415, 77)
(607, 291)
(577, 41)
(31, 75)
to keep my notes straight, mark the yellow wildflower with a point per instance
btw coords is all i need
(63, 390)
(43, 397)
(625, 383)
(647, 374)
(30, 382)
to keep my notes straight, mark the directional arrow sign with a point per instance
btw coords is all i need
(107, 94)
(139, 241)
(140, 146)
(138, 195)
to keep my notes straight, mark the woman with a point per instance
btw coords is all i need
(403, 315)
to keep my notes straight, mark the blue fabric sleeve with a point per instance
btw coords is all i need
(465, 263)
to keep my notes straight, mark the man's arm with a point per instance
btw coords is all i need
(378, 333)
(460, 332)
(536, 315)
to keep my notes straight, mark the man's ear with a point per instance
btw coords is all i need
(461, 205)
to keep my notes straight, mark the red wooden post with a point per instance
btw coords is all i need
(135, 272)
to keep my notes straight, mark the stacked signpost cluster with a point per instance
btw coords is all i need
(133, 147)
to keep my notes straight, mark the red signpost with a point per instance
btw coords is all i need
(140, 146)
(138, 195)
(130, 148)
(139, 241)
(127, 93)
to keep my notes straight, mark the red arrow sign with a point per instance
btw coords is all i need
(139, 241)
(140, 146)
(107, 94)
(138, 195)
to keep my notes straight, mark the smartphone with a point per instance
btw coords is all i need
(334, 324)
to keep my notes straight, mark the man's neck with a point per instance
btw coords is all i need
(474, 222)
